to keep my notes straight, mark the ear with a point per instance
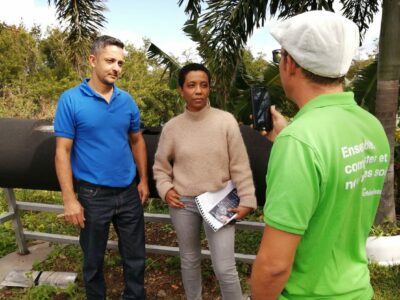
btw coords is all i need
(92, 60)
(291, 65)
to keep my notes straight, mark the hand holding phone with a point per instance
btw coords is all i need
(261, 107)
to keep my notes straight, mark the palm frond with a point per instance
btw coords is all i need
(193, 8)
(191, 30)
(286, 9)
(364, 86)
(234, 16)
(83, 19)
(220, 44)
(361, 12)
(240, 104)
(240, 93)
(171, 65)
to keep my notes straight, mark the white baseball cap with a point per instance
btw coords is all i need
(321, 42)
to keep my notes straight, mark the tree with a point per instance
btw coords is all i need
(226, 26)
(143, 79)
(33, 71)
(255, 66)
(387, 96)
(17, 54)
(54, 48)
(83, 19)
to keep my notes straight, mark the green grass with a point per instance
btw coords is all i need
(156, 206)
(44, 292)
(7, 239)
(386, 282)
(32, 221)
(247, 241)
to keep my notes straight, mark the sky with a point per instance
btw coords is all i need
(161, 21)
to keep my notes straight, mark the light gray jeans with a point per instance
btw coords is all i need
(187, 222)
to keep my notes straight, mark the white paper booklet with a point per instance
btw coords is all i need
(214, 206)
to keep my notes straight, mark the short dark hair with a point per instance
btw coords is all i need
(322, 79)
(104, 41)
(192, 67)
(314, 78)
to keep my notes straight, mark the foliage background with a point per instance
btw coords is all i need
(36, 67)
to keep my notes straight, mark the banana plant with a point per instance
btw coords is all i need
(172, 66)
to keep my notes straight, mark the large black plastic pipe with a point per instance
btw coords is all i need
(27, 149)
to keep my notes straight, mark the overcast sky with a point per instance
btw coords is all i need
(159, 20)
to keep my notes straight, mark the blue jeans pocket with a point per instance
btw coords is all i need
(87, 192)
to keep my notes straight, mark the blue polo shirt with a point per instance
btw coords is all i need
(101, 152)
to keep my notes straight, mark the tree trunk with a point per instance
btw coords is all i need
(388, 95)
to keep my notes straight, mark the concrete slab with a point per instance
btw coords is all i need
(15, 261)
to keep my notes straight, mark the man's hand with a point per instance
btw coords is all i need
(279, 123)
(241, 211)
(73, 212)
(173, 199)
(143, 189)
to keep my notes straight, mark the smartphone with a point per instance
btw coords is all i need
(261, 107)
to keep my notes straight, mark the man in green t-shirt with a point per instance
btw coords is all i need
(326, 170)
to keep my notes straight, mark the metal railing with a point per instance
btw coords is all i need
(14, 207)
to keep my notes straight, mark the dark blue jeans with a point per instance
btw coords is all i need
(123, 208)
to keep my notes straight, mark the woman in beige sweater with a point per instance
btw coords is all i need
(200, 151)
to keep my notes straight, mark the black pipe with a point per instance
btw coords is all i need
(27, 149)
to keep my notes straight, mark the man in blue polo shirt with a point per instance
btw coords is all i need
(326, 170)
(99, 147)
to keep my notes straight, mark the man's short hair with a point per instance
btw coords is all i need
(192, 67)
(104, 41)
(321, 79)
(314, 78)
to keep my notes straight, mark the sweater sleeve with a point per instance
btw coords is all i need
(162, 168)
(239, 166)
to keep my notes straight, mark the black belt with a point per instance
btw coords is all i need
(99, 186)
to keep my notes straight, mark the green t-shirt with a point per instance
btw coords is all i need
(325, 178)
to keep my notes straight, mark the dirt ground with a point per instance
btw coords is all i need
(162, 273)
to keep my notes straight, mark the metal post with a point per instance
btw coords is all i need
(16, 221)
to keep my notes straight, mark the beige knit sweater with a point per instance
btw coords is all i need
(200, 152)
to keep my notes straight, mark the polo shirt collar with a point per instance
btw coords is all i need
(85, 88)
(344, 98)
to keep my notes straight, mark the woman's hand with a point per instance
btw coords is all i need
(172, 198)
(241, 211)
